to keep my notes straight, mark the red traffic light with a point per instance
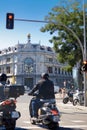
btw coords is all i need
(84, 66)
(84, 62)
(10, 16)
(10, 21)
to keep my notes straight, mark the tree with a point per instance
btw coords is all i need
(65, 23)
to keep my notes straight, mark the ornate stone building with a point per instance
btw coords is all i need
(26, 62)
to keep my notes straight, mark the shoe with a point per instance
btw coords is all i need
(34, 118)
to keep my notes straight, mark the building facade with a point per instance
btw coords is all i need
(24, 64)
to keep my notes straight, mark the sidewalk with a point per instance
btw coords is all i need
(69, 104)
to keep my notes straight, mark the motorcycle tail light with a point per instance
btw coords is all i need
(7, 102)
(54, 112)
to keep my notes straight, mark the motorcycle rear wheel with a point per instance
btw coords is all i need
(65, 100)
(75, 102)
(53, 125)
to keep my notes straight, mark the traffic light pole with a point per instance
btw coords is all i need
(27, 20)
(85, 58)
(85, 89)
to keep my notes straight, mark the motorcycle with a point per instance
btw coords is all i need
(68, 97)
(78, 97)
(8, 113)
(48, 114)
(8, 95)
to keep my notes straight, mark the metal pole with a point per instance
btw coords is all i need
(85, 74)
(84, 31)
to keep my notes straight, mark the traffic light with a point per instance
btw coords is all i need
(9, 20)
(84, 66)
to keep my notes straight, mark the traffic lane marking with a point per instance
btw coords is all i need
(75, 126)
(78, 121)
(32, 126)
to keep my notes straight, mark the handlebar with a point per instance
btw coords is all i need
(32, 94)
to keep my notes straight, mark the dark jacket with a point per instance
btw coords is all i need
(45, 88)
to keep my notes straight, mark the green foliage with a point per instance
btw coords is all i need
(63, 19)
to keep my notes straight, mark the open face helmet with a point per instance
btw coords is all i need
(45, 75)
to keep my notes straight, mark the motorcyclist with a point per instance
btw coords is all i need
(3, 79)
(45, 88)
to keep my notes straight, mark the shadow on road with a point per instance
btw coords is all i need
(63, 128)
(60, 128)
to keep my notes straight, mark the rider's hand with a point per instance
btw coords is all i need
(29, 93)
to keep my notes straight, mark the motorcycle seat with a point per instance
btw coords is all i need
(47, 104)
(48, 100)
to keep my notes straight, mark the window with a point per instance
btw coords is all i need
(50, 70)
(50, 59)
(42, 47)
(0, 61)
(58, 70)
(55, 70)
(0, 70)
(8, 69)
(28, 65)
(8, 59)
(49, 49)
(15, 58)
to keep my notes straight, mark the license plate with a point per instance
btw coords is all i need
(56, 118)
(15, 114)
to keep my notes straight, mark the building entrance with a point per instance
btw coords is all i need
(28, 82)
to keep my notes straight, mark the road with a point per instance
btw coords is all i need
(72, 117)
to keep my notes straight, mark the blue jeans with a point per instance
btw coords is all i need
(34, 106)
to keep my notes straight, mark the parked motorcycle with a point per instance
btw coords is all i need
(78, 97)
(68, 97)
(48, 114)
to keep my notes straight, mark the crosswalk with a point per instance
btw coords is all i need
(65, 126)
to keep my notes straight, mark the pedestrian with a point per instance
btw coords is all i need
(60, 92)
(63, 92)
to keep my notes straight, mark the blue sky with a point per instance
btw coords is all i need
(26, 9)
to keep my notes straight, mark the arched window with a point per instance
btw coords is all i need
(28, 65)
